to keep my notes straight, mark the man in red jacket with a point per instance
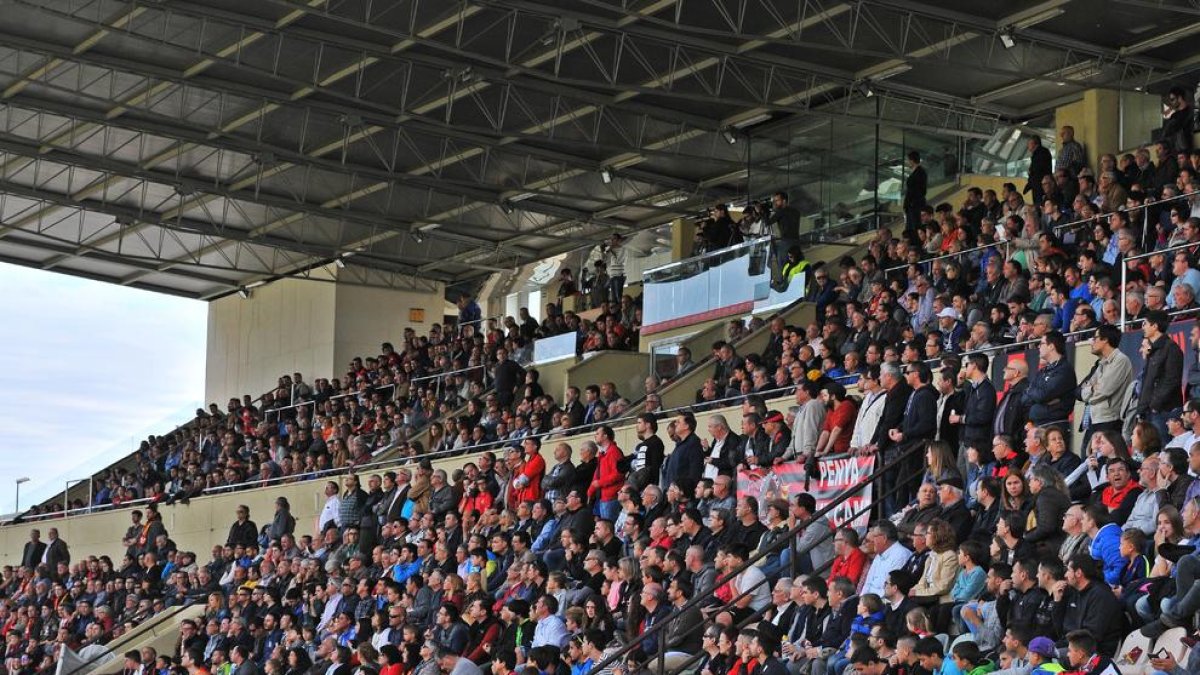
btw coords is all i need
(608, 479)
(527, 485)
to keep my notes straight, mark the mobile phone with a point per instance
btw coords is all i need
(1161, 653)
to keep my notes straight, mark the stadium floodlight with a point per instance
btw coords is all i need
(17, 506)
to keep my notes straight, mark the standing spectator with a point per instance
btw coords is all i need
(1051, 390)
(919, 425)
(685, 464)
(508, 375)
(979, 408)
(806, 429)
(243, 532)
(608, 479)
(915, 187)
(283, 522)
(1040, 164)
(1106, 389)
(1071, 155)
(785, 227)
(1161, 387)
(614, 258)
(56, 551)
(1177, 128)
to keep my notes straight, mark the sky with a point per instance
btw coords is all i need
(87, 370)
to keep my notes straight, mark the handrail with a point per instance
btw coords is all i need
(313, 402)
(798, 552)
(1142, 256)
(777, 545)
(446, 374)
(955, 254)
(492, 445)
(710, 254)
(1125, 209)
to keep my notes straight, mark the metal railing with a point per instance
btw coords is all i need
(707, 255)
(1125, 209)
(777, 546)
(947, 256)
(1143, 256)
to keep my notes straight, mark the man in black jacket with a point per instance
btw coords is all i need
(686, 462)
(31, 556)
(243, 532)
(892, 418)
(915, 187)
(1040, 164)
(1085, 602)
(918, 426)
(979, 408)
(954, 508)
(1161, 390)
(1012, 412)
(508, 376)
(1051, 392)
(723, 453)
(645, 462)
(1027, 605)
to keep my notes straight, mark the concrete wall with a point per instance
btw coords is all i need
(627, 370)
(283, 327)
(303, 325)
(553, 377)
(366, 316)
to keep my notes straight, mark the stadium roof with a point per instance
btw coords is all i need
(196, 147)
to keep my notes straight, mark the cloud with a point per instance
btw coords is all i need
(87, 370)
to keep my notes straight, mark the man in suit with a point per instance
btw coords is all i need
(572, 407)
(1011, 411)
(56, 550)
(1040, 164)
(723, 453)
(35, 548)
(950, 400)
(686, 462)
(915, 187)
(918, 426)
(898, 393)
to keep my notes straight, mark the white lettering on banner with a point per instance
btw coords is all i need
(835, 476)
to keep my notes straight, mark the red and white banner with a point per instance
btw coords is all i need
(835, 476)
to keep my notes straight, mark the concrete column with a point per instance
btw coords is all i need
(1097, 122)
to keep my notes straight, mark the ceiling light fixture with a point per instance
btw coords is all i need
(416, 236)
(1007, 39)
(730, 135)
(507, 206)
(606, 175)
(243, 292)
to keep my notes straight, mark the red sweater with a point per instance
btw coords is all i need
(608, 479)
(850, 567)
(534, 469)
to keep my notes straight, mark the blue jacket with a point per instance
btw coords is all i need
(1051, 393)
(1106, 548)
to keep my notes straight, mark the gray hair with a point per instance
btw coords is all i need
(719, 421)
(889, 369)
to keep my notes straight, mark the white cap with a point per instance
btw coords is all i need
(948, 313)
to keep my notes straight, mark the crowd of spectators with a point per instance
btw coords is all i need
(992, 546)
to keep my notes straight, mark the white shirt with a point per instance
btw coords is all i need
(893, 558)
(329, 512)
(714, 451)
(868, 419)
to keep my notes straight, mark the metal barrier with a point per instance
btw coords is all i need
(778, 545)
